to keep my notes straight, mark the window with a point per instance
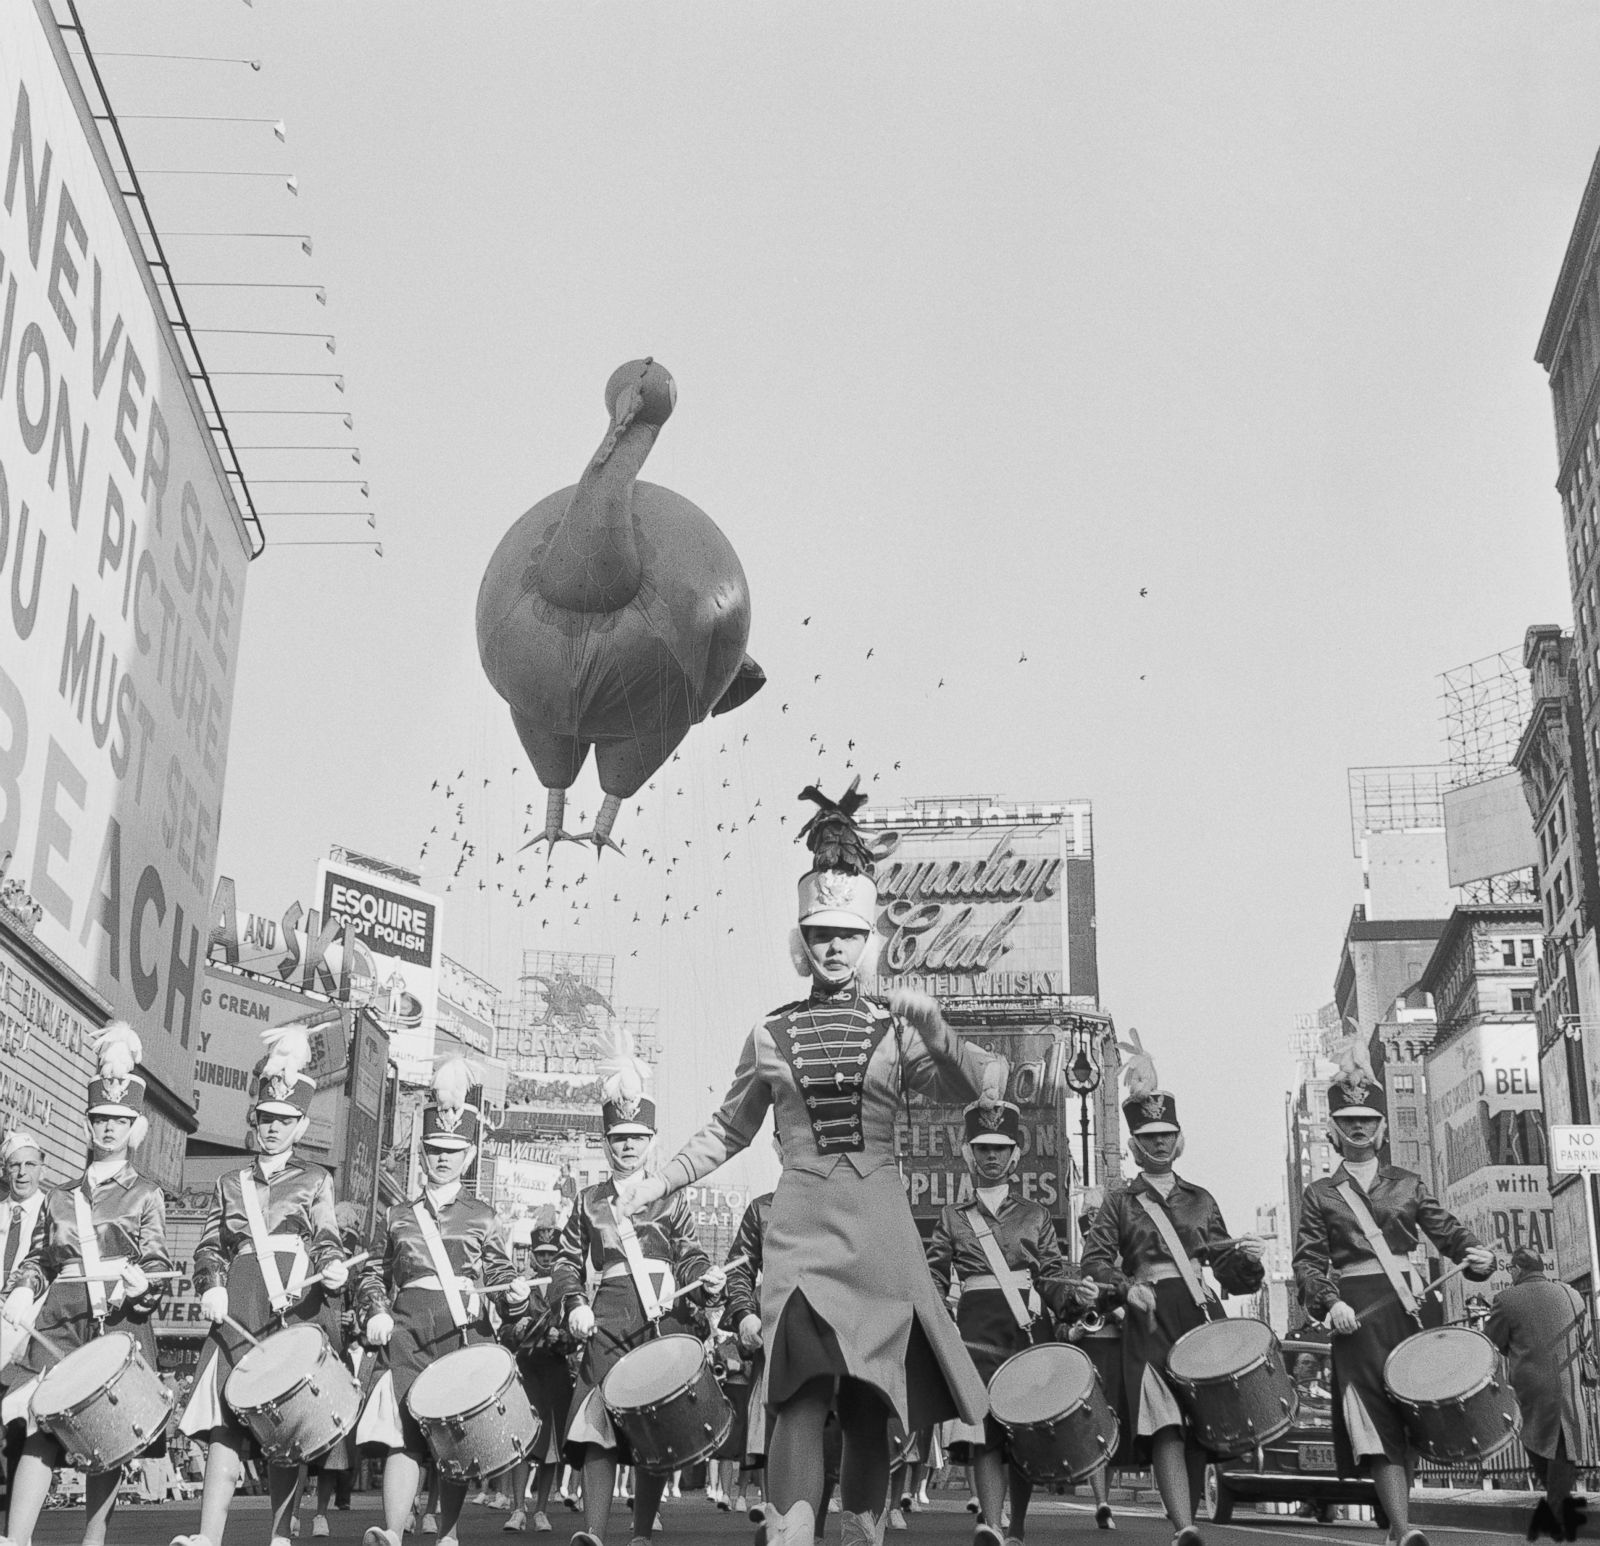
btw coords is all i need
(1404, 1084)
(1406, 1119)
(1522, 1001)
(1528, 952)
(1508, 952)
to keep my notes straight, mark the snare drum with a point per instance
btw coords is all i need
(1230, 1377)
(294, 1394)
(103, 1402)
(1059, 1425)
(1458, 1407)
(473, 1412)
(664, 1399)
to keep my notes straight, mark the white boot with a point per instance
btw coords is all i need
(860, 1529)
(796, 1526)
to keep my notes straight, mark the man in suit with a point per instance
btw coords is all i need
(1540, 1327)
(22, 1159)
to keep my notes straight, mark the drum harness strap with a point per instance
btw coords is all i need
(1180, 1257)
(1380, 1248)
(637, 1270)
(440, 1258)
(94, 1265)
(1003, 1275)
(266, 1247)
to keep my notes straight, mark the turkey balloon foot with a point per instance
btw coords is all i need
(610, 809)
(555, 807)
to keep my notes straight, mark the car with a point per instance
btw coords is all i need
(1298, 1467)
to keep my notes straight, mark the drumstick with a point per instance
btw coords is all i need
(116, 1277)
(485, 1289)
(689, 1288)
(249, 1337)
(56, 1352)
(349, 1261)
(1432, 1288)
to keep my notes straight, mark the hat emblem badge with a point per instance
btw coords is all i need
(627, 1107)
(448, 1121)
(991, 1118)
(114, 1088)
(1154, 1107)
(833, 888)
(275, 1087)
(1356, 1087)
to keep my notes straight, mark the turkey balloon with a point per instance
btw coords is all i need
(614, 615)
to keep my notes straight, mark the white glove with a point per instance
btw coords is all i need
(135, 1280)
(635, 1193)
(380, 1328)
(1480, 1259)
(750, 1333)
(711, 1283)
(19, 1303)
(1341, 1319)
(921, 1011)
(335, 1275)
(1141, 1297)
(518, 1291)
(581, 1322)
(214, 1304)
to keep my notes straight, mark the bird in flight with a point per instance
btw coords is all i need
(805, 622)
(869, 654)
(1023, 657)
(1144, 590)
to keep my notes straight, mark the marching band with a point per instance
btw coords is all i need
(616, 1342)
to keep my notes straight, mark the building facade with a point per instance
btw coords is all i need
(1398, 1049)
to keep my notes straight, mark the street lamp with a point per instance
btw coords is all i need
(1083, 1077)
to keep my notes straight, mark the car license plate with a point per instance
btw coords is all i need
(1316, 1457)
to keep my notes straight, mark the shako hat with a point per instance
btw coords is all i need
(116, 1090)
(546, 1233)
(448, 1122)
(1146, 1108)
(838, 889)
(281, 1087)
(624, 1107)
(1356, 1092)
(993, 1122)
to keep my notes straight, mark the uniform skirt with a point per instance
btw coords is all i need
(1104, 1350)
(1365, 1417)
(1149, 1401)
(547, 1379)
(620, 1325)
(208, 1415)
(66, 1319)
(845, 1291)
(423, 1334)
(991, 1335)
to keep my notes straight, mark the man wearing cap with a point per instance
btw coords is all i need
(540, 1343)
(1003, 1251)
(22, 1156)
(414, 1301)
(1150, 1241)
(638, 1271)
(1543, 1329)
(271, 1226)
(99, 1262)
(1358, 1227)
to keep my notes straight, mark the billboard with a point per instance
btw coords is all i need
(977, 898)
(466, 1007)
(929, 1138)
(399, 926)
(363, 1142)
(1488, 830)
(1489, 1149)
(122, 574)
(234, 1010)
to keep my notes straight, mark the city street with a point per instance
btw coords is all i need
(693, 1519)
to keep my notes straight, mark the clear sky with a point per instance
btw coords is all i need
(1184, 349)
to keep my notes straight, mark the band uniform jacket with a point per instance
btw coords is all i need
(1330, 1238)
(130, 1225)
(474, 1241)
(296, 1205)
(744, 1275)
(1123, 1238)
(1026, 1236)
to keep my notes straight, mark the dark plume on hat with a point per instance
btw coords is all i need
(831, 834)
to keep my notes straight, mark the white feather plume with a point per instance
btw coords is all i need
(1139, 1069)
(623, 1074)
(452, 1078)
(117, 1050)
(288, 1052)
(1355, 1064)
(996, 1075)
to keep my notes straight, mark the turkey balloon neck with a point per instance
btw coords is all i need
(592, 563)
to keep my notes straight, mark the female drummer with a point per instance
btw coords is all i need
(97, 1250)
(848, 1311)
(271, 1225)
(1149, 1241)
(638, 1269)
(540, 1343)
(413, 1299)
(1357, 1229)
(1000, 1247)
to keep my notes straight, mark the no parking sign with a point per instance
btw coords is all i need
(1575, 1150)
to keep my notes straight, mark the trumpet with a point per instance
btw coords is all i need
(1091, 1321)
